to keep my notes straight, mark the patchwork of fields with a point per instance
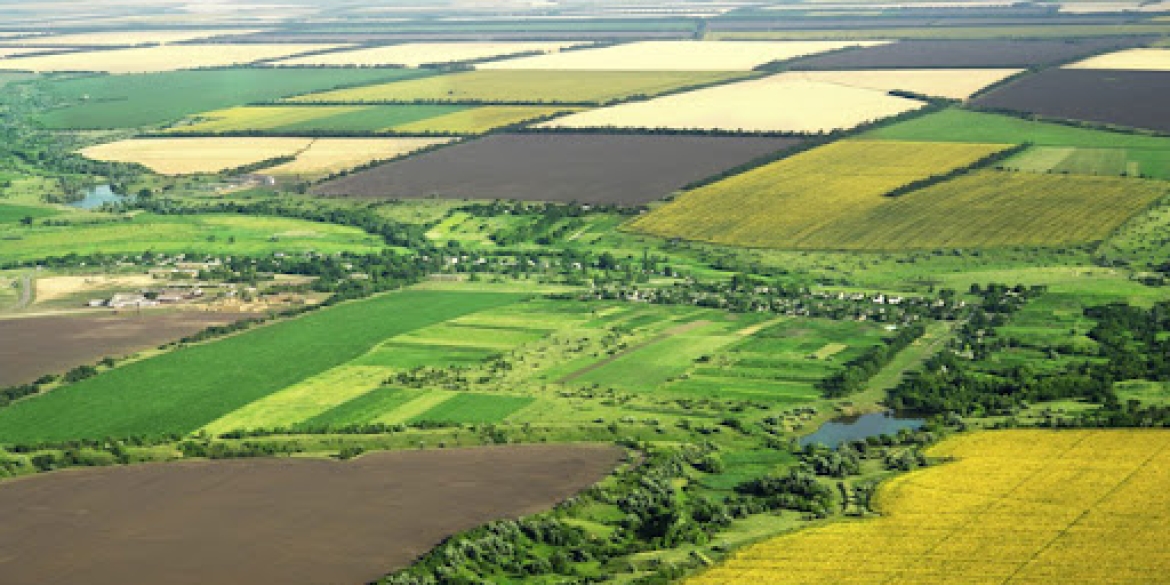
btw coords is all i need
(778, 103)
(418, 54)
(673, 55)
(914, 54)
(163, 57)
(958, 84)
(1035, 506)
(524, 86)
(125, 38)
(363, 119)
(587, 168)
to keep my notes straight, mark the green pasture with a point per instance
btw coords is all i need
(15, 213)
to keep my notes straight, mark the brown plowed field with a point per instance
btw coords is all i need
(586, 168)
(951, 54)
(268, 521)
(1136, 99)
(34, 346)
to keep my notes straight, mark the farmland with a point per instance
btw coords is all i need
(15, 213)
(525, 86)
(361, 119)
(203, 504)
(914, 54)
(957, 84)
(33, 346)
(130, 400)
(1037, 32)
(1117, 98)
(205, 233)
(1132, 60)
(625, 170)
(671, 55)
(417, 54)
(126, 39)
(162, 58)
(1015, 506)
(330, 155)
(1058, 147)
(131, 101)
(774, 104)
(178, 156)
(790, 203)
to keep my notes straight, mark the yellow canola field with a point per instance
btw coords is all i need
(676, 56)
(774, 104)
(958, 84)
(164, 58)
(128, 38)
(181, 156)
(1130, 59)
(1022, 507)
(416, 54)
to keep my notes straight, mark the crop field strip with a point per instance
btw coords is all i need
(162, 58)
(1120, 98)
(915, 54)
(1148, 30)
(1015, 507)
(1150, 59)
(131, 101)
(672, 55)
(524, 86)
(418, 54)
(178, 156)
(1058, 147)
(779, 103)
(414, 119)
(958, 84)
(622, 169)
(124, 38)
(181, 391)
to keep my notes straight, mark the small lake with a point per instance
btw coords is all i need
(97, 196)
(854, 428)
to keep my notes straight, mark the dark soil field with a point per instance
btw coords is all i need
(268, 521)
(585, 168)
(33, 346)
(943, 54)
(1136, 99)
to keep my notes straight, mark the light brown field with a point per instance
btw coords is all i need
(165, 58)
(1131, 59)
(773, 104)
(958, 84)
(676, 56)
(416, 54)
(180, 156)
(329, 155)
(127, 38)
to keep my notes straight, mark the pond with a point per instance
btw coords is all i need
(853, 428)
(97, 196)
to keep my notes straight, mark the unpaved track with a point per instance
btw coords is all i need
(273, 521)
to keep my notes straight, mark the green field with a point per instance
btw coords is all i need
(503, 86)
(361, 119)
(131, 101)
(1058, 148)
(211, 234)
(16, 213)
(183, 390)
(474, 409)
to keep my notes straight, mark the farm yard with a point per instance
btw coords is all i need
(1116, 98)
(672, 55)
(623, 169)
(524, 86)
(1014, 507)
(957, 84)
(204, 505)
(776, 104)
(293, 120)
(162, 58)
(131, 101)
(419, 54)
(923, 54)
(33, 346)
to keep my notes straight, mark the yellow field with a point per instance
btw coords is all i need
(957, 84)
(329, 155)
(128, 38)
(527, 86)
(416, 54)
(262, 118)
(1132, 59)
(164, 58)
(179, 156)
(479, 120)
(791, 202)
(675, 56)
(1028, 507)
(7, 52)
(778, 103)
